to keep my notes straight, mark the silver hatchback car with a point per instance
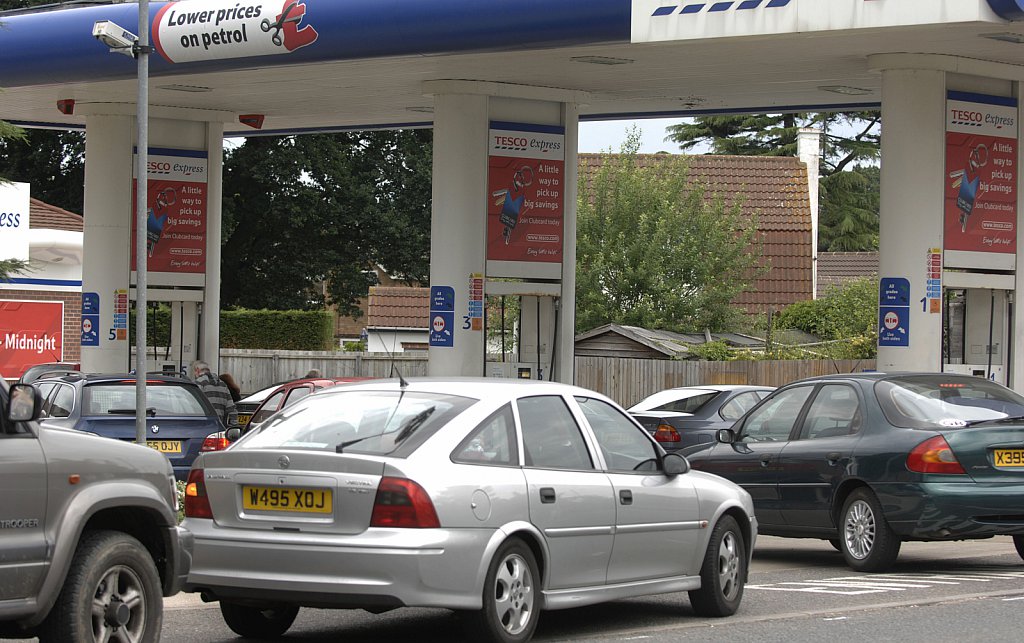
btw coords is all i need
(498, 498)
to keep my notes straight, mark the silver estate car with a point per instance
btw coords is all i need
(497, 498)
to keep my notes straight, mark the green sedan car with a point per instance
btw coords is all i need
(869, 460)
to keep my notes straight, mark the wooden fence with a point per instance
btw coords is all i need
(627, 381)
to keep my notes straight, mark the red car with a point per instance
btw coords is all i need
(284, 395)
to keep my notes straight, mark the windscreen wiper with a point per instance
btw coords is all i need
(414, 423)
(1005, 420)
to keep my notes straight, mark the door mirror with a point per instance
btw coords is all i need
(675, 464)
(233, 433)
(24, 403)
(726, 436)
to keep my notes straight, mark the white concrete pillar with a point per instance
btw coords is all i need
(458, 225)
(107, 232)
(808, 146)
(463, 112)
(210, 344)
(913, 167)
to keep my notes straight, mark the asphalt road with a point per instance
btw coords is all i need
(799, 590)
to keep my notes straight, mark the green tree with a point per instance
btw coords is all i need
(847, 313)
(52, 161)
(657, 251)
(10, 267)
(304, 211)
(848, 216)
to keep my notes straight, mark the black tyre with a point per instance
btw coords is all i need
(723, 573)
(112, 593)
(268, 622)
(1018, 543)
(511, 597)
(866, 540)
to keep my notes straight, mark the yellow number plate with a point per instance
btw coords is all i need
(243, 418)
(1008, 457)
(165, 446)
(317, 501)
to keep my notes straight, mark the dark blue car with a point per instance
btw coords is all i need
(179, 417)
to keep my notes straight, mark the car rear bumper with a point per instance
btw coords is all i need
(378, 569)
(952, 510)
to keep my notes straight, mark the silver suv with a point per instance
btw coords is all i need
(89, 542)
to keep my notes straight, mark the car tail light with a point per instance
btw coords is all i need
(666, 433)
(403, 503)
(933, 456)
(197, 504)
(215, 442)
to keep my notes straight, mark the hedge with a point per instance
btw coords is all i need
(300, 330)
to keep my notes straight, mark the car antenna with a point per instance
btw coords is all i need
(394, 367)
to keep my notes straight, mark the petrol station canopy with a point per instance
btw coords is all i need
(363, 63)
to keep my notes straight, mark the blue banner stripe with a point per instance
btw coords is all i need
(1008, 9)
(527, 127)
(720, 6)
(749, 4)
(692, 8)
(44, 282)
(55, 47)
(985, 99)
(663, 11)
(777, 3)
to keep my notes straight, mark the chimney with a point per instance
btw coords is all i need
(808, 146)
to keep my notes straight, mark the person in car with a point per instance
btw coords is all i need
(216, 391)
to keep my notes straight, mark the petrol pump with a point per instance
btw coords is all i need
(521, 331)
(976, 333)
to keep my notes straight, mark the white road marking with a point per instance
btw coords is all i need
(895, 582)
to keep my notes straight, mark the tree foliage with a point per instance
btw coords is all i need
(657, 251)
(52, 161)
(848, 215)
(848, 312)
(306, 218)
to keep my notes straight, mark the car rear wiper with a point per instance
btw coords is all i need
(414, 423)
(1010, 419)
(150, 411)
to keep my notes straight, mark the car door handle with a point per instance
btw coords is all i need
(547, 495)
(833, 457)
(626, 497)
(765, 460)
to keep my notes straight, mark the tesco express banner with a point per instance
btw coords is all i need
(14, 211)
(31, 332)
(194, 30)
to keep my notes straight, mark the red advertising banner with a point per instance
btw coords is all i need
(525, 184)
(980, 200)
(31, 332)
(176, 199)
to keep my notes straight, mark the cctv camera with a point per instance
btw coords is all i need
(117, 38)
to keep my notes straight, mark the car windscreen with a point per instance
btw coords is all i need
(931, 401)
(118, 398)
(680, 401)
(376, 422)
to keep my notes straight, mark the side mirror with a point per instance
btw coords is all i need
(24, 403)
(233, 433)
(675, 464)
(726, 436)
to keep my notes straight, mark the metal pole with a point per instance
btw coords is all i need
(141, 194)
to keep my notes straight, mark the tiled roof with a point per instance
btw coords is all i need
(50, 217)
(398, 307)
(835, 268)
(774, 188)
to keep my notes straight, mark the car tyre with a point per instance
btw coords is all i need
(250, 622)
(511, 597)
(868, 543)
(723, 572)
(1018, 543)
(112, 592)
